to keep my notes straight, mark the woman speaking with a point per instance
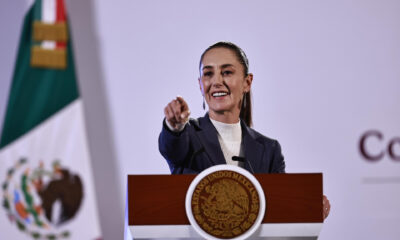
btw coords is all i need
(224, 135)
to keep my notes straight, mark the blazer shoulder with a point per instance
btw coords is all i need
(262, 139)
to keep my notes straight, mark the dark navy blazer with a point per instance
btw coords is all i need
(197, 148)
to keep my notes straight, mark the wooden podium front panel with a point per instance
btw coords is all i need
(292, 198)
(160, 199)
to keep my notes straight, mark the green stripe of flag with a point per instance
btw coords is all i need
(36, 93)
(37, 10)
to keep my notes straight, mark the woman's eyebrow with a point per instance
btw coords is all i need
(222, 66)
(207, 67)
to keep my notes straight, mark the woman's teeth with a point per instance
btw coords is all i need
(219, 94)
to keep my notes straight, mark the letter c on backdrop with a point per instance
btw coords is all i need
(365, 153)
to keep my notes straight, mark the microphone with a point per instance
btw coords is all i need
(243, 159)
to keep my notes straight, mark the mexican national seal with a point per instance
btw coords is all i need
(225, 203)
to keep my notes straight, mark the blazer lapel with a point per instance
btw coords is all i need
(253, 151)
(209, 140)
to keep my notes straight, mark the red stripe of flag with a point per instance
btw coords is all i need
(60, 17)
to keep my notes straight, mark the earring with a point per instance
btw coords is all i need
(244, 100)
(204, 104)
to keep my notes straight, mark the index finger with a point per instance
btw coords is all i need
(185, 107)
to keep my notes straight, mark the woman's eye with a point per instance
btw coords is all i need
(226, 73)
(207, 74)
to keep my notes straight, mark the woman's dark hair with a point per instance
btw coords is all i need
(245, 111)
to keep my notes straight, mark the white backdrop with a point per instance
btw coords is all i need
(324, 74)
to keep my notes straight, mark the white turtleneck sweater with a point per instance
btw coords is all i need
(229, 137)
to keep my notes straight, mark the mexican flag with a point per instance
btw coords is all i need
(47, 187)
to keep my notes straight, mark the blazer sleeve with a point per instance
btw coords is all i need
(278, 162)
(174, 146)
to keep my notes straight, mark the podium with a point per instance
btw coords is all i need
(156, 206)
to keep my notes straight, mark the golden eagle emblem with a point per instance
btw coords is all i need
(225, 204)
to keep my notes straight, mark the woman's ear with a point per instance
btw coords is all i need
(201, 87)
(248, 80)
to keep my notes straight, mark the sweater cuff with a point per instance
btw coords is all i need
(179, 128)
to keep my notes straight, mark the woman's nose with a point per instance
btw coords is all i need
(218, 79)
